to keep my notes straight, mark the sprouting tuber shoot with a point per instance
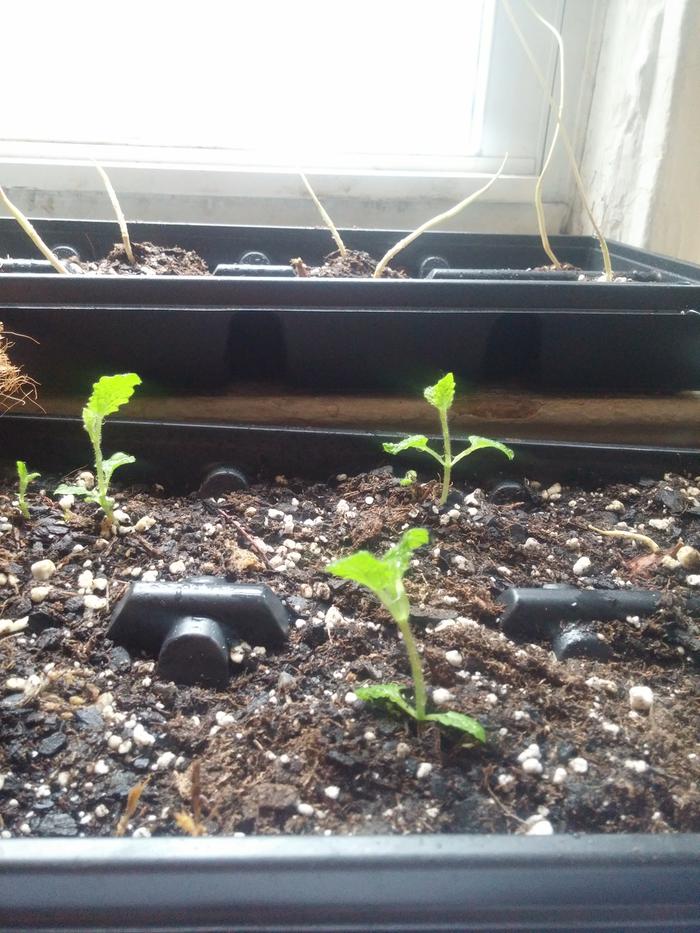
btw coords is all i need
(441, 396)
(325, 216)
(384, 577)
(24, 478)
(108, 395)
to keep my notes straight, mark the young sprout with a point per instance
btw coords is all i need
(108, 395)
(409, 479)
(384, 577)
(441, 396)
(23, 480)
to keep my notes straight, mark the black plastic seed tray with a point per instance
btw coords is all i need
(470, 306)
(626, 884)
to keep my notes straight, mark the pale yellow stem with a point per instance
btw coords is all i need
(326, 217)
(121, 220)
(630, 536)
(446, 215)
(607, 265)
(28, 228)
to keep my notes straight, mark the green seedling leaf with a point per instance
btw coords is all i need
(442, 394)
(67, 490)
(458, 721)
(409, 479)
(478, 443)
(25, 478)
(386, 693)
(115, 461)
(364, 568)
(415, 441)
(399, 556)
(109, 393)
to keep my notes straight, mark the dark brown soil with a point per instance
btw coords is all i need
(150, 260)
(355, 264)
(287, 747)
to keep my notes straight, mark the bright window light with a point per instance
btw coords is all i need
(280, 82)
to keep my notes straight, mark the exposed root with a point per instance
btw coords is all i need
(629, 535)
(16, 388)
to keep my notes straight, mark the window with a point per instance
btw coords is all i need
(232, 99)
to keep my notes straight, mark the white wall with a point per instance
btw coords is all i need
(641, 160)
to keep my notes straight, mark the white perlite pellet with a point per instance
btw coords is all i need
(38, 594)
(541, 828)
(402, 750)
(43, 570)
(532, 766)
(441, 696)
(305, 809)
(143, 524)
(164, 761)
(454, 658)
(636, 764)
(641, 698)
(177, 567)
(559, 776)
(332, 792)
(90, 601)
(423, 770)
(532, 751)
(149, 576)
(688, 558)
(661, 524)
(693, 579)
(582, 566)
(142, 737)
(578, 765)
(101, 767)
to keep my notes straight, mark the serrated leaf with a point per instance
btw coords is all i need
(477, 443)
(109, 393)
(459, 721)
(364, 568)
(66, 490)
(386, 693)
(116, 460)
(442, 394)
(414, 442)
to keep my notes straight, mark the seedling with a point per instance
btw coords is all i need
(409, 479)
(23, 480)
(30, 230)
(441, 396)
(108, 395)
(384, 577)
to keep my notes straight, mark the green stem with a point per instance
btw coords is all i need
(414, 662)
(447, 474)
(100, 474)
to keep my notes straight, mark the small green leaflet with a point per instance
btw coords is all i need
(24, 477)
(116, 460)
(109, 393)
(442, 394)
(417, 441)
(478, 443)
(386, 693)
(67, 490)
(409, 479)
(458, 721)
(393, 694)
(380, 573)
